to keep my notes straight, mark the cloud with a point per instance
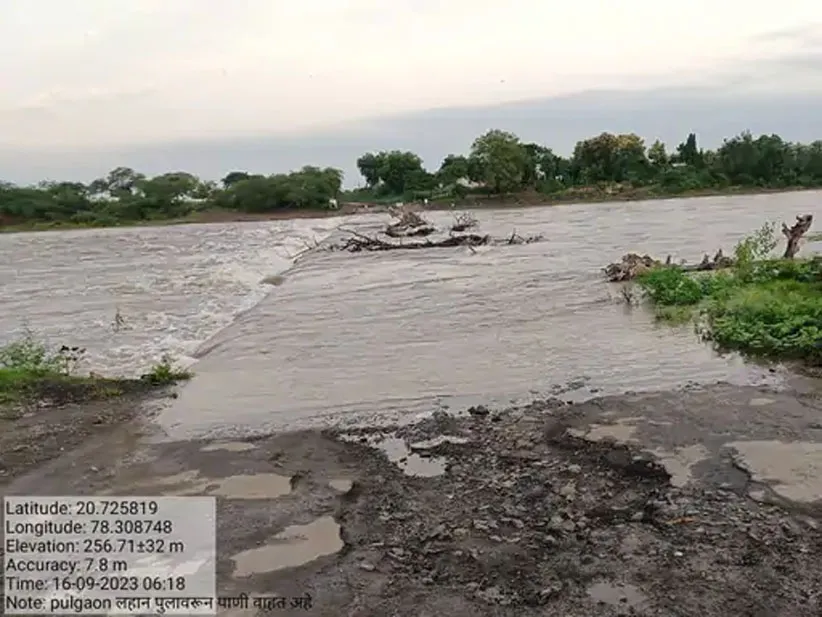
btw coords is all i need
(96, 73)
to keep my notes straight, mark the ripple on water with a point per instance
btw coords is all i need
(389, 335)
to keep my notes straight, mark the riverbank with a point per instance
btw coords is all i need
(576, 196)
(591, 509)
(47, 408)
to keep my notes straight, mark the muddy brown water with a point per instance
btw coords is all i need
(362, 337)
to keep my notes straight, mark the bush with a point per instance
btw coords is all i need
(165, 372)
(671, 287)
(780, 319)
(32, 356)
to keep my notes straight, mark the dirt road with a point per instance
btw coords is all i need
(706, 501)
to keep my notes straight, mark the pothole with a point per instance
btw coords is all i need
(617, 594)
(294, 546)
(254, 486)
(228, 446)
(792, 470)
(398, 452)
(341, 484)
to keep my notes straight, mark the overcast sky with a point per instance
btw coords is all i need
(100, 73)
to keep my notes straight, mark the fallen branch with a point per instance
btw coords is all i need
(464, 222)
(410, 224)
(360, 243)
(518, 239)
(633, 265)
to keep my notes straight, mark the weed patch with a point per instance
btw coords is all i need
(762, 307)
(31, 374)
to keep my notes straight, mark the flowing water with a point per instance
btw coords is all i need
(375, 336)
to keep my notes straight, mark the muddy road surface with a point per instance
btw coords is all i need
(705, 501)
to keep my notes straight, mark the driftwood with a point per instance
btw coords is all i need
(409, 224)
(795, 233)
(464, 222)
(358, 243)
(633, 265)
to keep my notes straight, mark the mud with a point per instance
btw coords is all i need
(697, 502)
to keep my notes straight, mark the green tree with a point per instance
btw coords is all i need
(233, 177)
(369, 167)
(454, 167)
(611, 158)
(688, 152)
(501, 159)
(169, 194)
(658, 156)
(120, 183)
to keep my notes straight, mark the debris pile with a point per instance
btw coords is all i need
(409, 224)
(633, 265)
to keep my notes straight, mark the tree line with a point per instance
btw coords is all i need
(498, 162)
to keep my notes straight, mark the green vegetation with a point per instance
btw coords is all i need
(603, 167)
(762, 307)
(31, 373)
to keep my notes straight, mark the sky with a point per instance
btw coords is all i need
(82, 75)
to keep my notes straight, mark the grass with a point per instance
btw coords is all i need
(763, 307)
(31, 373)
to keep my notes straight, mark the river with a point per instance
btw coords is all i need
(354, 337)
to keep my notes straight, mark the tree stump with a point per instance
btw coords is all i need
(795, 233)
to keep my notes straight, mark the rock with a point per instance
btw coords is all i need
(478, 410)
(569, 491)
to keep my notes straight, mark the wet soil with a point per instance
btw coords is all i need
(57, 415)
(705, 501)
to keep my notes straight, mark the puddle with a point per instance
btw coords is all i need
(411, 463)
(429, 444)
(228, 446)
(622, 430)
(617, 594)
(680, 462)
(255, 486)
(341, 485)
(294, 546)
(792, 470)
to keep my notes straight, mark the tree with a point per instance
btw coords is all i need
(543, 166)
(393, 172)
(310, 187)
(369, 166)
(234, 177)
(501, 159)
(454, 167)
(657, 155)
(611, 158)
(120, 183)
(688, 152)
(168, 193)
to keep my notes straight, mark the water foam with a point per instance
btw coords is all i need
(172, 288)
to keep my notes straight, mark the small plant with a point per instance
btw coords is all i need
(119, 321)
(32, 356)
(756, 247)
(671, 287)
(165, 372)
(68, 358)
(629, 295)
